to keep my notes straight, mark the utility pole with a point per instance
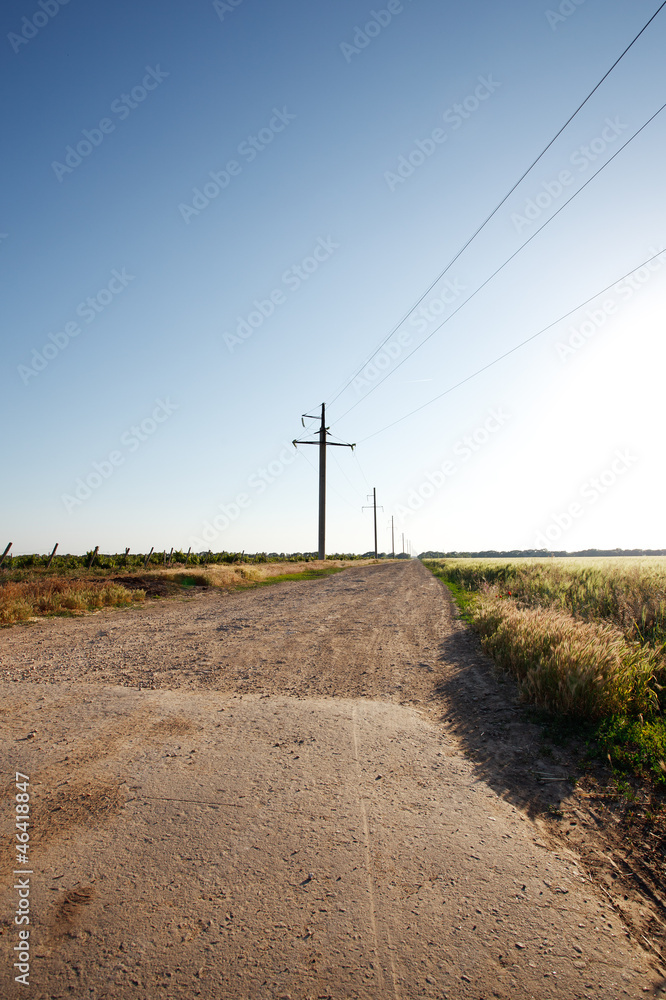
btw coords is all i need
(323, 443)
(392, 539)
(403, 543)
(374, 506)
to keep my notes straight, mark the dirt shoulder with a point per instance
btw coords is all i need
(571, 799)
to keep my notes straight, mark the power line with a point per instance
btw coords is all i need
(498, 206)
(355, 488)
(502, 266)
(360, 469)
(506, 354)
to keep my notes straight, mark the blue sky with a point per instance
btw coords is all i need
(205, 224)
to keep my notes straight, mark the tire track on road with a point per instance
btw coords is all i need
(380, 951)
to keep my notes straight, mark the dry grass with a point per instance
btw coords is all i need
(586, 640)
(565, 665)
(232, 575)
(584, 637)
(630, 593)
(37, 593)
(55, 595)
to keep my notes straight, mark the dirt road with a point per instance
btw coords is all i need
(265, 794)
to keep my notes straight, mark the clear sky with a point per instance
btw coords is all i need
(213, 213)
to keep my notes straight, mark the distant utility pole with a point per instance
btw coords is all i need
(374, 507)
(403, 543)
(392, 539)
(323, 443)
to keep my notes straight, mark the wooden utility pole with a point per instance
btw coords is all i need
(392, 539)
(323, 443)
(374, 506)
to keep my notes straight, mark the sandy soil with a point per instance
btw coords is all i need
(288, 792)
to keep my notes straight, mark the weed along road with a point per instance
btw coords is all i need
(276, 793)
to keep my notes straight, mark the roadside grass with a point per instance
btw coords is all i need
(308, 574)
(35, 592)
(631, 594)
(584, 669)
(467, 602)
(585, 644)
(242, 576)
(56, 595)
(188, 580)
(635, 746)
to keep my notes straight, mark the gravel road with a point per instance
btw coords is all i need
(274, 793)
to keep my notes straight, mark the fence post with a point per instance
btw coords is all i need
(5, 553)
(52, 555)
(126, 555)
(92, 558)
(188, 555)
(145, 561)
